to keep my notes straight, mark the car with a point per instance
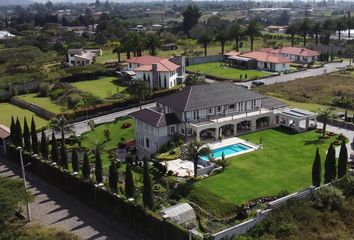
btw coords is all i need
(257, 83)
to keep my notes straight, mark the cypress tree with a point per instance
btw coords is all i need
(63, 156)
(129, 182)
(330, 165)
(54, 152)
(34, 137)
(18, 133)
(44, 149)
(12, 130)
(75, 160)
(26, 137)
(316, 170)
(342, 160)
(86, 168)
(98, 167)
(147, 189)
(113, 177)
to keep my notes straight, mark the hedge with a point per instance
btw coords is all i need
(88, 72)
(130, 214)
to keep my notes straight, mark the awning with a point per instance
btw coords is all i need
(243, 59)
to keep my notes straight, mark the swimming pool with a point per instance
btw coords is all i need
(229, 151)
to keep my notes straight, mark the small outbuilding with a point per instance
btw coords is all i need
(4, 136)
(182, 214)
(169, 47)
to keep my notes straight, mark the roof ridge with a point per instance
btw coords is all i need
(190, 91)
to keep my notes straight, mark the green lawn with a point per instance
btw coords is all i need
(7, 110)
(216, 69)
(43, 102)
(92, 137)
(102, 87)
(284, 164)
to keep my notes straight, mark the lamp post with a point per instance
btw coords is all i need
(24, 183)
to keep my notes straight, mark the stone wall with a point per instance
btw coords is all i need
(32, 107)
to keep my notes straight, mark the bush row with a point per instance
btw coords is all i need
(131, 215)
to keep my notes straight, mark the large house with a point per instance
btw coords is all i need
(296, 54)
(82, 57)
(211, 111)
(258, 60)
(158, 72)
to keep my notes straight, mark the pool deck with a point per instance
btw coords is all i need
(231, 141)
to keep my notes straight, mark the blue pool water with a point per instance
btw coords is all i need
(228, 150)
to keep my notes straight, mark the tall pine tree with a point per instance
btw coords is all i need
(63, 156)
(75, 160)
(342, 160)
(98, 167)
(147, 189)
(54, 152)
(26, 137)
(113, 177)
(86, 168)
(34, 137)
(18, 132)
(44, 149)
(316, 170)
(330, 165)
(12, 130)
(129, 182)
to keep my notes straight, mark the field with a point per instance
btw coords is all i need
(103, 87)
(218, 70)
(7, 110)
(117, 133)
(43, 102)
(322, 90)
(265, 172)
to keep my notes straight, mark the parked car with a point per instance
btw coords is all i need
(257, 83)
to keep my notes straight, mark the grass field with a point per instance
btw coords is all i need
(7, 110)
(216, 69)
(43, 102)
(117, 133)
(102, 87)
(285, 163)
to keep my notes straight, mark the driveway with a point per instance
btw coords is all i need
(54, 208)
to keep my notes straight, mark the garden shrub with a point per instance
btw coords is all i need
(346, 185)
(329, 197)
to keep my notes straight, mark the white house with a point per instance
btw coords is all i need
(158, 72)
(82, 57)
(6, 35)
(296, 54)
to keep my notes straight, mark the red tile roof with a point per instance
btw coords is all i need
(304, 52)
(163, 64)
(265, 57)
(4, 131)
(232, 53)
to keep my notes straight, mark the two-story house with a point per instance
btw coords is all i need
(158, 72)
(82, 57)
(213, 111)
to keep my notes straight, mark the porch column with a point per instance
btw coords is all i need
(307, 123)
(235, 129)
(197, 137)
(253, 125)
(297, 125)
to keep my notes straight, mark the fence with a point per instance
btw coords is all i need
(32, 107)
(204, 59)
(243, 228)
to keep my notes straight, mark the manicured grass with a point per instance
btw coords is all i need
(285, 163)
(7, 110)
(102, 87)
(43, 102)
(117, 133)
(217, 69)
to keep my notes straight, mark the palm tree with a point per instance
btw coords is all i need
(194, 150)
(349, 24)
(304, 29)
(152, 42)
(60, 124)
(116, 47)
(236, 32)
(325, 114)
(292, 30)
(140, 89)
(327, 29)
(222, 37)
(340, 26)
(316, 30)
(252, 31)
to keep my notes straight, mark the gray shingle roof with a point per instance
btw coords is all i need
(155, 118)
(208, 95)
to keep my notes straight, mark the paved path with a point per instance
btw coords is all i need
(53, 208)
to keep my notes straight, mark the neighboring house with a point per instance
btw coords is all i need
(158, 72)
(296, 54)
(82, 57)
(258, 60)
(276, 29)
(6, 35)
(169, 47)
(211, 111)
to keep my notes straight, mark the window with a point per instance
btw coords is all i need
(147, 142)
(172, 129)
(219, 109)
(232, 107)
(140, 141)
(210, 111)
(146, 127)
(130, 65)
